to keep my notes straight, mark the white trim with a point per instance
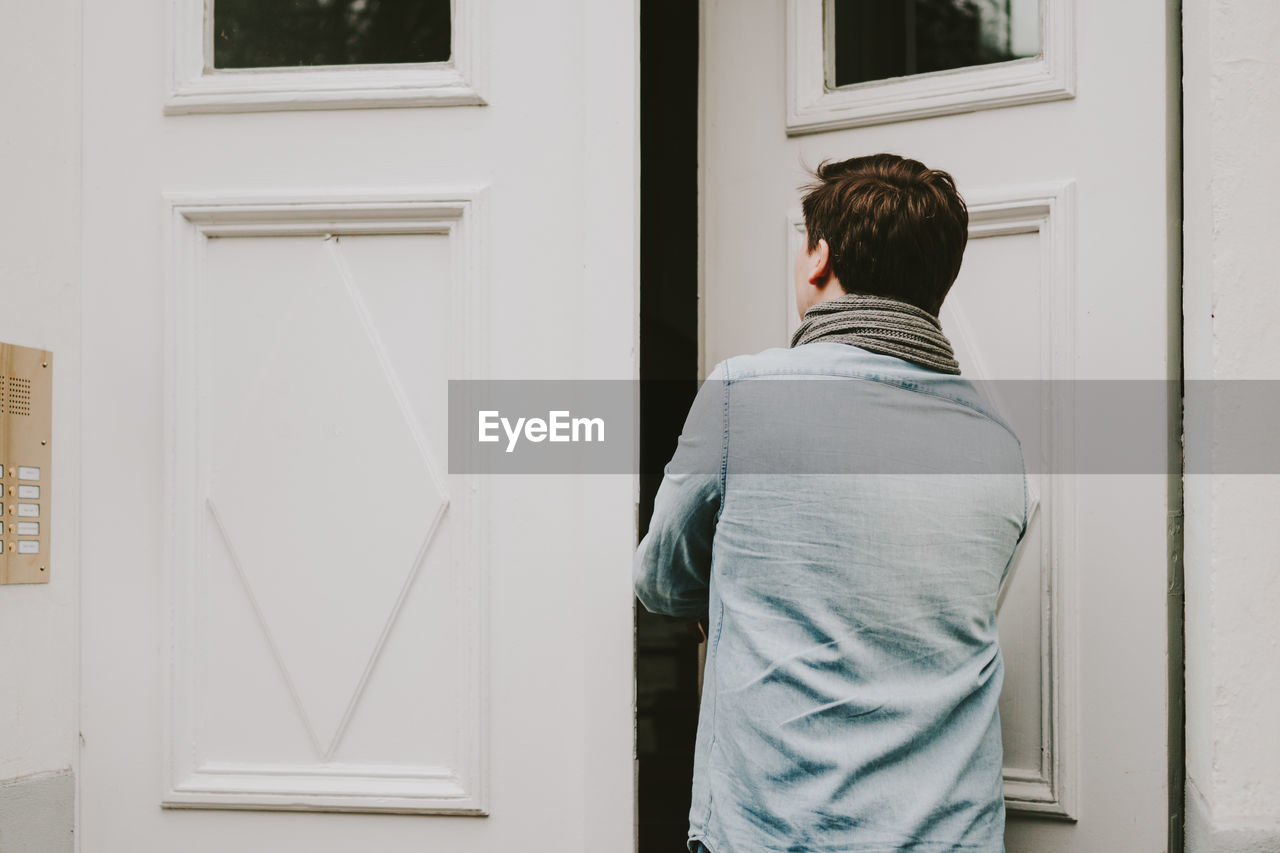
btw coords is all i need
(192, 218)
(194, 86)
(1048, 210)
(814, 106)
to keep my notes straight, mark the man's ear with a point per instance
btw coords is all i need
(820, 263)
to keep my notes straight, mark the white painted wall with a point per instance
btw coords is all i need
(1232, 305)
(40, 307)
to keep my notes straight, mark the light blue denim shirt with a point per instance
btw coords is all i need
(850, 577)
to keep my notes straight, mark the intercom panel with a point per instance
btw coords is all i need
(26, 419)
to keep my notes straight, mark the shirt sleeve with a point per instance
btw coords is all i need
(1026, 499)
(672, 566)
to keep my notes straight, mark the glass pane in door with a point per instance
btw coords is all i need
(878, 39)
(274, 33)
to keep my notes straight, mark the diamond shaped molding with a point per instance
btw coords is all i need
(326, 497)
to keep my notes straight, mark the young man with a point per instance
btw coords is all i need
(845, 542)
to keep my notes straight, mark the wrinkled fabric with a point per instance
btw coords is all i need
(853, 666)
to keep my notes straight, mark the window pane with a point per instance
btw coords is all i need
(272, 33)
(877, 39)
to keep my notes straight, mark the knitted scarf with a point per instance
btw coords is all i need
(879, 324)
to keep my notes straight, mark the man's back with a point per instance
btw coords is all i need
(846, 540)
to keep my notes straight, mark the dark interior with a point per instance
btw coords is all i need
(666, 654)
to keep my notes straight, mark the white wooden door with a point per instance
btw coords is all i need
(1063, 159)
(300, 631)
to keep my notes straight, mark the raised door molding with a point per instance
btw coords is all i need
(196, 87)
(306, 499)
(1048, 211)
(813, 106)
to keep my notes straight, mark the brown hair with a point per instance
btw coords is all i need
(895, 227)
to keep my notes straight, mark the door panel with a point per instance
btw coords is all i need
(300, 630)
(1065, 277)
(329, 505)
(1019, 258)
